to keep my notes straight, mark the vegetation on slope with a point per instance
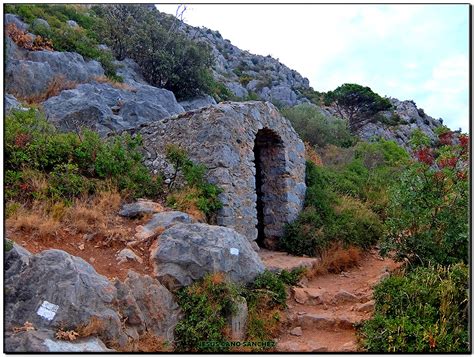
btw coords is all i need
(426, 310)
(415, 208)
(208, 303)
(166, 57)
(44, 165)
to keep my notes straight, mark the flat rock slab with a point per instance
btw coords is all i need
(163, 220)
(140, 208)
(277, 261)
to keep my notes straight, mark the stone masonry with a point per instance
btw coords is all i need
(258, 197)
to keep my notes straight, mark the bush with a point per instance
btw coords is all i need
(329, 217)
(70, 164)
(199, 193)
(206, 305)
(167, 58)
(424, 311)
(355, 224)
(316, 128)
(428, 220)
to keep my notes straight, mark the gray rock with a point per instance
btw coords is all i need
(135, 113)
(40, 23)
(129, 70)
(186, 252)
(139, 208)
(163, 220)
(10, 103)
(237, 89)
(54, 290)
(29, 73)
(72, 23)
(126, 255)
(14, 19)
(197, 103)
(297, 331)
(45, 341)
(90, 105)
(155, 308)
(27, 78)
(238, 320)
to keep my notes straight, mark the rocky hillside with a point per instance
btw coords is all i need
(251, 76)
(109, 107)
(247, 75)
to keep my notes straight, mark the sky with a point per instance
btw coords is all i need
(417, 52)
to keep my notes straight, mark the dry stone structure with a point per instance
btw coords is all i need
(251, 152)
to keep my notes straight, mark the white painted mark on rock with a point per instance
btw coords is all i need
(47, 310)
(234, 251)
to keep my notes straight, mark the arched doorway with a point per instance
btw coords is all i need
(269, 161)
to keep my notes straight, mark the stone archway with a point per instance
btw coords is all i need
(270, 163)
(227, 138)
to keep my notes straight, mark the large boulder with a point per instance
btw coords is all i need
(54, 290)
(14, 19)
(187, 252)
(106, 109)
(197, 103)
(32, 74)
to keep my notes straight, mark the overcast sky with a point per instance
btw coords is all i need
(418, 52)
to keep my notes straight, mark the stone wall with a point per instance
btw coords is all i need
(222, 137)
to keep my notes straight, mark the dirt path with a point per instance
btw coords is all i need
(322, 311)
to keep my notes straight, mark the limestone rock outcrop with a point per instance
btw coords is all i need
(107, 109)
(186, 252)
(54, 290)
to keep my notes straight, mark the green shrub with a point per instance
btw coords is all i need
(329, 216)
(355, 224)
(206, 305)
(245, 79)
(424, 311)
(274, 286)
(316, 128)
(72, 163)
(428, 212)
(167, 58)
(203, 194)
(65, 182)
(252, 96)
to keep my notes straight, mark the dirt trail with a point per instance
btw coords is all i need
(322, 311)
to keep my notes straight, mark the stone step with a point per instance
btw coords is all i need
(320, 321)
(277, 261)
(297, 346)
(318, 340)
(317, 296)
